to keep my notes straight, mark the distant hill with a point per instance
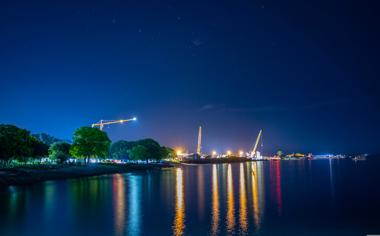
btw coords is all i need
(48, 139)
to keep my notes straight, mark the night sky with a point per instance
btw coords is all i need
(306, 72)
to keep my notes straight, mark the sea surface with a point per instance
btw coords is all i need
(318, 197)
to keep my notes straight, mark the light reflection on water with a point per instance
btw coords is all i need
(230, 201)
(49, 201)
(275, 176)
(179, 218)
(200, 192)
(119, 203)
(257, 192)
(215, 201)
(243, 202)
(134, 218)
(260, 198)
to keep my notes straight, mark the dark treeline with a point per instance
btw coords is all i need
(19, 146)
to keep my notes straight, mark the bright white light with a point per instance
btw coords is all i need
(134, 118)
(214, 153)
(229, 152)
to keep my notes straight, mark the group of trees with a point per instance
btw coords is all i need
(89, 143)
(141, 150)
(18, 144)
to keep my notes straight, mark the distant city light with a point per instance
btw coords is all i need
(214, 153)
(134, 118)
(179, 152)
(229, 153)
(241, 153)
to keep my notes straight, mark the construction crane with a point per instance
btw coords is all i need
(102, 123)
(259, 137)
(199, 141)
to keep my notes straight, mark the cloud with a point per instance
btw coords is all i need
(211, 107)
(224, 108)
(283, 108)
(197, 42)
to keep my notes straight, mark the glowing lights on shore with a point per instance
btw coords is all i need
(179, 152)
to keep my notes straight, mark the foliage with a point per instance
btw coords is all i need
(39, 149)
(153, 148)
(139, 152)
(123, 149)
(18, 144)
(119, 149)
(46, 138)
(15, 143)
(60, 151)
(167, 153)
(89, 142)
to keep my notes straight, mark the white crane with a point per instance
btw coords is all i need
(199, 141)
(102, 123)
(254, 150)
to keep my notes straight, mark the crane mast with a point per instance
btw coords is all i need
(253, 153)
(102, 123)
(199, 140)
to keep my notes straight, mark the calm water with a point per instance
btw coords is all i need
(329, 197)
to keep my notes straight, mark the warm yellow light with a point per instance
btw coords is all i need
(229, 152)
(241, 153)
(214, 153)
(179, 152)
(121, 121)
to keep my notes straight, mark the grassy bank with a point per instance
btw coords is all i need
(34, 174)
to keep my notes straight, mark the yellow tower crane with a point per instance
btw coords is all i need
(102, 123)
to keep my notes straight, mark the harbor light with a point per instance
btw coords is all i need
(214, 153)
(241, 153)
(229, 153)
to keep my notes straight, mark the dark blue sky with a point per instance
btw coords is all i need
(305, 71)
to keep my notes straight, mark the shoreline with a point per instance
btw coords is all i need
(30, 174)
(219, 160)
